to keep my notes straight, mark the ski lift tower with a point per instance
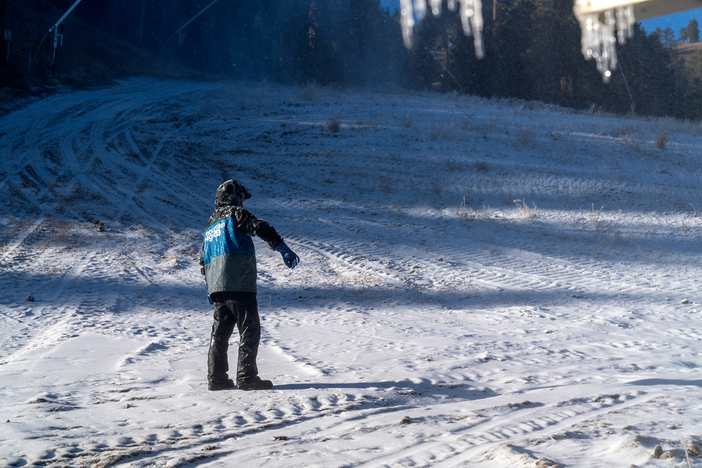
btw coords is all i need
(180, 30)
(58, 34)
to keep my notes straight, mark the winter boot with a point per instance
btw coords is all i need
(220, 385)
(253, 383)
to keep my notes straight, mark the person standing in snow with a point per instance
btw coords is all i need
(228, 262)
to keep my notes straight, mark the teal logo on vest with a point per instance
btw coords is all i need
(222, 238)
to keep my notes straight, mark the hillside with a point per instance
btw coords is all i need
(482, 283)
(686, 48)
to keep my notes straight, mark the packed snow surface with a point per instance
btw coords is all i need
(482, 283)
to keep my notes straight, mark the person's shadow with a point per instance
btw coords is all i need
(464, 391)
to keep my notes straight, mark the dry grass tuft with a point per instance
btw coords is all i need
(480, 166)
(334, 125)
(661, 140)
(406, 120)
(524, 210)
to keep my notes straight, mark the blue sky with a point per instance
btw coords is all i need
(675, 22)
(392, 4)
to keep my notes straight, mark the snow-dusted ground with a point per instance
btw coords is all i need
(483, 283)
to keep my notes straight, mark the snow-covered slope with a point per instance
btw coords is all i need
(483, 283)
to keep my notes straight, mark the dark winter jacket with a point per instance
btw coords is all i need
(228, 256)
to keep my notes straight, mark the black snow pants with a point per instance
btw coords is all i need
(232, 309)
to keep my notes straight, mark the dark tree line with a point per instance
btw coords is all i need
(532, 49)
(344, 42)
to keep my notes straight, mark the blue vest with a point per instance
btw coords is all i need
(230, 258)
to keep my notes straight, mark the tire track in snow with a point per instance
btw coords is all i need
(516, 272)
(42, 327)
(21, 238)
(342, 257)
(63, 121)
(168, 186)
(463, 442)
(130, 197)
(246, 423)
(503, 272)
(471, 267)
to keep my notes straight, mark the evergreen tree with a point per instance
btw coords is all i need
(506, 51)
(683, 34)
(691, 32)
(650, 76)
(668, 37)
